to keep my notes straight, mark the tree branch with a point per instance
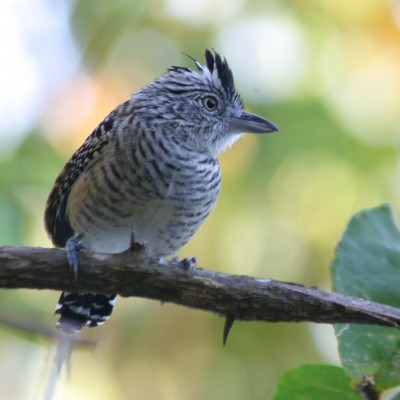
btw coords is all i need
(136, 273)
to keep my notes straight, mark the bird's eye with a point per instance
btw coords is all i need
(210, 103)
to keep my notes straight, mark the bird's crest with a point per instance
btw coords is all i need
(215, 70)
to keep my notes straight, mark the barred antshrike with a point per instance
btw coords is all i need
(149, 171)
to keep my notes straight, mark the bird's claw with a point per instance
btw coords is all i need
(187, 263)
(136, 246)
(72, 248)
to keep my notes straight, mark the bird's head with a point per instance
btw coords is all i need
(201, 108)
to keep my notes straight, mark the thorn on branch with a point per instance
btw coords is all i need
(230, 319)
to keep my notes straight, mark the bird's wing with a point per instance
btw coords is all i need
(56, 220)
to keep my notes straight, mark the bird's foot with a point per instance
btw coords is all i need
(137, 246)
(187, 263)
(72, 248)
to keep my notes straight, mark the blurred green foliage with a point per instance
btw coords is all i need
(285, 198)
(311, 382)
(368, 265)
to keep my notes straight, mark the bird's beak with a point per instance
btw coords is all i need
(251, 123)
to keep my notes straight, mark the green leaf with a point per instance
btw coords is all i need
(315, 382)
(367, 265)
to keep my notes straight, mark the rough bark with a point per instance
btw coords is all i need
(136, 273)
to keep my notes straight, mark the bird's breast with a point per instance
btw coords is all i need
(154, 187)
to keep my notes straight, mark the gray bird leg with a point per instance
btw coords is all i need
(72, 248)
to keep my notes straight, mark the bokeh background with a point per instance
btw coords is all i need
(327, 72)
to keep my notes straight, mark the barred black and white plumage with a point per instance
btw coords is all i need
(149, 169)
(80, 309)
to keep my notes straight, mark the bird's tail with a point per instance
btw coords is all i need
(83, 309)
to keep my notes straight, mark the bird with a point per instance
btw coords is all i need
(149, 171)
